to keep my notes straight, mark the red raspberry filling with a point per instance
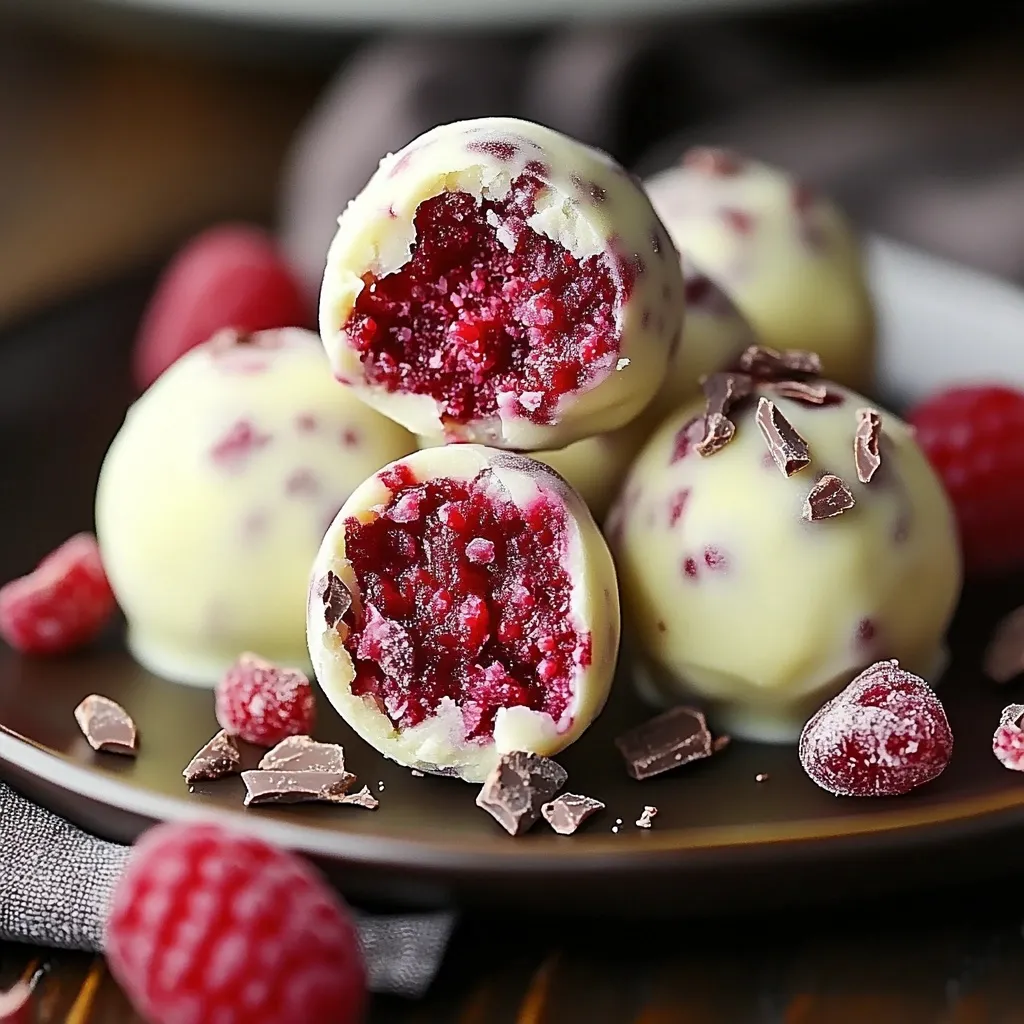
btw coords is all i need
(469, 321)
(465, 595)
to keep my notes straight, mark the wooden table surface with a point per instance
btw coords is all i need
(185, 141)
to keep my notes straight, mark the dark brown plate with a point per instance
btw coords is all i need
(719, 838)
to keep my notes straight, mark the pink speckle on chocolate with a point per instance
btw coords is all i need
(662, 628)
(884, 735)
(235, 447)
(690, 567)
(740, 221)
(350, 438)
(500, 150)
(1008, 741)
(867, 631)
(530, 321)
(474, 597)
(687, 436)
(306, 423)
(302, 483)
(392, 213)
(255, 525)
(677, 503)
(715, 560)
(402, 163)
(645, 318)
(537, 169)
(698, 288)
(713, 161)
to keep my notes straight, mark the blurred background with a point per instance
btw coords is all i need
(126, 125)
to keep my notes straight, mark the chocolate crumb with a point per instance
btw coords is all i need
(567, 812)
(800, 391)
(786, 446)
(866, 454)
(416, 774)
(720, 743)
(761, 777)
(107, 726)
(646, 817)
(304, 754)
(293, 787)
(336, 597)
(827, 498)
(1004, 656)
(718, 432)
(668, 741)
(769, 364)
(517, 787)
(219, 757)
(363, 798)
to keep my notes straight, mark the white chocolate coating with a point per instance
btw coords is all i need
(783, 612)
(438, 744)
(595, 467)
(589, 204)
(208, 529)
(785, 256)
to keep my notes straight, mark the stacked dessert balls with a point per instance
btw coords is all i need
(520, 337)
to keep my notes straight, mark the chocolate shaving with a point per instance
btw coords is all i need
(672, 739)
(769, 364)
(364, 798)
(304, 754)
(336, 597)
(787, 447)
(1004, 656)
(219, 757)
(277, 787)
(866, 454)
(646, 817)
(517, 787)
(800, 391)
(718, 432)
(567, 812)
(828, 497)
(107, 726)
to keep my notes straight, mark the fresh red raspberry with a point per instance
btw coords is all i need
(884, 735)
(62, 604)
(227, 276)
(1008, 741)
(207, 924)
(974, 437)
(263, 703)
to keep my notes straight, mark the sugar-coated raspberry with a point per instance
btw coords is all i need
(62, 604)
(231, 275)
(974, 437)
(884, 735)
(1008, 741)
(207, 924)
(264, 703)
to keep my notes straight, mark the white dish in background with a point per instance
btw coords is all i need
(345, 14)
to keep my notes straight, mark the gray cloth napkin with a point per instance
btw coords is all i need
(56, 882)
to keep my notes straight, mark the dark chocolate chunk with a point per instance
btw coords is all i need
(670, 740)
(336, 597)
(567, 812)
(827, 498)
(218, 758)
(866, 454)
(724, 391)
(277, 787)
(107, 726)
(1004, 656)
(718, 432)
(364, 798)
(800, 391)
(787, 447)
(766, 363)
(517, 787)
(304, 754)
(646, 818)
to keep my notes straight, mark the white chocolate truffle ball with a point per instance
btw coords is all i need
(786, 256)
(595, 467)
(738, 594)
(498, 282)
(464, 605)
(216, 493)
